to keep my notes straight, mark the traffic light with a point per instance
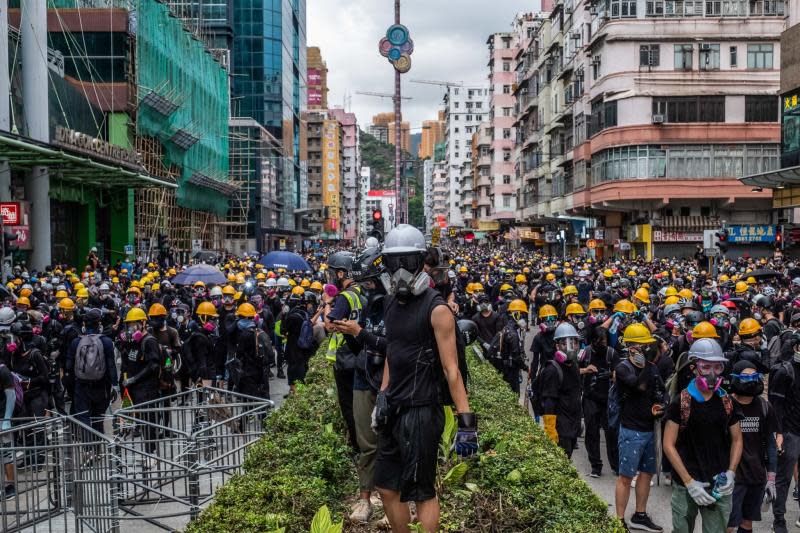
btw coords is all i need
(779, 238)
(9, 243)
(377, 225)
(722, 240)
(163, 242)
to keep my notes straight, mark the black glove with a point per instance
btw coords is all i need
(380, 414)
(466, 443)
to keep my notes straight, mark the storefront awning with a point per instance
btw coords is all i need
(22, 152)
(774, 179)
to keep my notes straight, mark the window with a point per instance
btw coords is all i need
(623, 8)
(455, 92)
(683, 56)
(506, 133)
(506, 180)
(457, 155)
(506, 111)
(705, 211)
(595, 67)
(506, 66)
(478, 105)
(734, 56)
(761, 108)
(506, 89)
(649, 55)
(506, 156)
(655, 8)
(766, 7)
(469, 118)
(690, 108)
(507, 200)
(709, 56)
(759, 56)
(686, 211)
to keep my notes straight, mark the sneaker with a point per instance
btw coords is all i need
(281, 374)
(596, 472)
(642, 522)
(779, 528)
(362, 511)
(796, 493)
(9, 492)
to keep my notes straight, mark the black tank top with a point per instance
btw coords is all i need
(410, 350)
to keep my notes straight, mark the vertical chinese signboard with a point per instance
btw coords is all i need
(330, 175)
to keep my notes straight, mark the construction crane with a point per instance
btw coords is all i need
(441, 83)
(382, 95)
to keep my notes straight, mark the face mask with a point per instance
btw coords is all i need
(757, 317)
(209, 327)
(522, 323)
(639, 360)
(11, 347)
(37, 330)
(710, 381)
(404, 284)
(747, 384)
(136, 335)
(244, 324)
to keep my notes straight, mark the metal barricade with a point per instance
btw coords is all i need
(157, 463)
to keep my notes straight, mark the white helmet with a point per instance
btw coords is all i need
(565, 330)
(283, 283)
(271, 282)
(104, 287)
(707, 350)
(7, 316)
(215, 291)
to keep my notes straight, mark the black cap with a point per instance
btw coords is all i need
(92, 315)
(742, 365)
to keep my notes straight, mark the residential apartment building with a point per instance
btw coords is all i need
(405, 135)
(427, 193)
(642, 115)
(351, 161)
(441, 193)
(465, 107)
(365, 183)
(317, 80)
(380, 126)
(432, 134)
(325, 176)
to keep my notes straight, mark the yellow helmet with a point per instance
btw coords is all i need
(157, 310)
(65, 304)
(686, 293)
(25, 292)
(78, 286)
(82, 293)
(550, 277)
(638, 333)
(470, 288)
(206, 309)
(463, 270)
(624, 306)
(231, 277)
(575, 309)
(305, 283)
(751, 280)
(671, 291)
(60, 295)
(135, 315)
(607, 273)
(133, 290)
(518, 306)
(504, 287)
(749, 326)
(723, 278)
(198, 284)
(228, 290)
(477, 287)
(156, 287)
(316, 286)
(570, 290)
(292, 282)
(299, 291)
(741, 287)
(520, 278)
(23, 300)
(669, 300)
(246, 310)
(642, 294)
(597, 303)
(261, 276)
(632, 273)
(704, 330)
(568, 272)
(547, 310)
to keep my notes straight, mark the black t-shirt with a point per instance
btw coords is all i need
(641, 388)
(488, 326)
(758, 422)
(772, 327)
(704, 445)
(6, 382)
(567, 396)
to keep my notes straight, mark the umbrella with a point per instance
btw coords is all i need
(287, 260)
(205, 273)
(205, 256)
(764, 273)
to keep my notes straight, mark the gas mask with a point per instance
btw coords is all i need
(548, 324)
(210, 326)
(135, 332)
(405, 275)
(721, 321)
(216, 301)
(598, 316)
(519, 319)
(709, 375)
(568, 350)
(132, 298)
(199, 292)
(747, 384)
(579, 321)
(12, 343)
(37, 330)
(484, 307)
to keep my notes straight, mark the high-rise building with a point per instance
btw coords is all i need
(405, 135)
(466, 106)
(325, 175)
(380, 126)
(211, 20)
(317, 80)
(640, 130)
(269, 71)
(432, 134)
(351, 162)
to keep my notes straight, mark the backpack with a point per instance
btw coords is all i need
(19, 394)
(775, 345)
(686, 406)
(90, 358)
(616, 398)
(538, 385)
(306, 339)
(788, 368)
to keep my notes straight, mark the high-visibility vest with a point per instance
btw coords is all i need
(337, 339)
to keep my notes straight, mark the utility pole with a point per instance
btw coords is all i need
(398, 117)
(5, 97)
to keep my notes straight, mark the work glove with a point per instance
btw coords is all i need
(466, 442)
(128, 382)
(697, 490)
(770, 491)
(5, 425)
(727, 488)
(114, 393)
(550, 427)
(380, 413)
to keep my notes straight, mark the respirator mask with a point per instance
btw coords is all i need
(406, 277)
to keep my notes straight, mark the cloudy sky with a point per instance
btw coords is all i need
(450, 45)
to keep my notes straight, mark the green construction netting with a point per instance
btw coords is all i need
(171, 62)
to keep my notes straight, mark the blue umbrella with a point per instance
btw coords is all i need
(205, 273)
(287, 260)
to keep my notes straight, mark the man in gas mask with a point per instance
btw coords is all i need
(204, 360)
(487, 321)
(561, 390)
(421, 374)
(598, 361)
(512, 343)
(752, 346)
(576, 316)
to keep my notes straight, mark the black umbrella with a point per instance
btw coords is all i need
(762, 273)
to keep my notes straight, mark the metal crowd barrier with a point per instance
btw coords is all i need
(156, 463)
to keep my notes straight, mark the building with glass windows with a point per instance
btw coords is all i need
(641, 117)
(269, 72)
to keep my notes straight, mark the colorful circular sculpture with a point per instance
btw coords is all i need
(397, 47)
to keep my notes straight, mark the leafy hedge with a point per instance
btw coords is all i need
(521, 481)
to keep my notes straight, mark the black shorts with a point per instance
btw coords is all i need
(746, 504)
(296, 371)
(408, 451)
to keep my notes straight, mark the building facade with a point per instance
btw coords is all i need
(465, 107)
(639, 117)
(351, 186)
(432, 134)
(325, 176)
(317, 80)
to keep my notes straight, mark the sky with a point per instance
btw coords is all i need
(449, 45)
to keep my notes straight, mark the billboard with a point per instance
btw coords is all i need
(331, 175)
(314, 77)
(314, 97)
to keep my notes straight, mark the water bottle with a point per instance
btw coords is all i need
(719, 480)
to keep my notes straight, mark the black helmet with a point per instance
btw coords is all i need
(694, 317)
(310, 298)
(341, 261)
(469, 329)
(368, 264)
(23, 330)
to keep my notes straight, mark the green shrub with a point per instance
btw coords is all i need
(521, 481)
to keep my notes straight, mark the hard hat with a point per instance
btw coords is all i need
(723, 278)
(7, 316)
(469, 329)
(283, 283)
(470, 288)
(597, 303)
(518, 306)
(134, 290)
(642, 294)
(157, 310)
(504, 287)
(231, 277)
(520, 278)
(674, 299)
(575, 309)
(607, 273)
(477, 287)
(82, 293)
(671, 291)
(155, 287)
(751, 280)
(215, 291)
(550, 277)
(298, 291)
(25, 292)
(707, 350)
(704, 330)
(741, 287)
(23, 300)
(624, 306)
(61, 294)
(570, 290)
(749, 326)
(638, 333)
(206, 309)
(112, 273)
(463, 270)
(720, 309)
(547, 310)
(261, 276)
(246, 310)
(78, 286)
(227, 290)
(316, 286)
(198, 284)
(305, 283)
(565, 331)
(135, 315)
(686, 293)
(292, 282)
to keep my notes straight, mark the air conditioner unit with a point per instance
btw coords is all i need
(593, 11)
(576, 34)
(659, 119)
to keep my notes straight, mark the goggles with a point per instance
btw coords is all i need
(410, 263)
(747, 378)
(709, 366)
